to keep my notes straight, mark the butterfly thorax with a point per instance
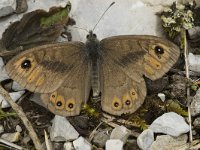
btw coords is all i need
(92, 45)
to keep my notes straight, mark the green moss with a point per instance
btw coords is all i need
(58, 16)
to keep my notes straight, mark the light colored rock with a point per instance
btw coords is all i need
(114, 144)
(81, 144)
(161, 96)
(1, 129)
(195, 104)
(3, 74)
(101, 137)
(194, 32)
(36, 98)
(167, 142)
(62, 130)
(171, 124)
(145, 139)
(110, 23)
(121, 133)
(68, 146)
(18, 128)
(196, 122)
(16, 86)
(11, 137)
(14, 95)
(7, 7)
(194, 62)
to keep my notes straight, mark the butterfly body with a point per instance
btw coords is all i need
(64, 73)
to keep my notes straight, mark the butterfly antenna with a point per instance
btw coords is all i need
(103, 15)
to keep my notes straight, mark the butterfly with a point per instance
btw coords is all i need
(65, 73)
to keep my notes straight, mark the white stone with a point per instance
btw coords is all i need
(11, 137)
(171, 124)
(17, 87)
(18, 128)
(68, 146)
(130, 17)
(114, 144)
(3, 74)
(81, 144)
(161, 96)
(7, 7)
(195, 104)
(62, 130)
(14, 95)
(167, 142)
(145, 139)
(194, 62)
(36, 98)
(120, 133)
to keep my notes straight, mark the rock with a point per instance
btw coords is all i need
(171, 124)
(21, 7)
(194, 61)
(7, 7)
(18, 128)
(14, 95)
(101, 137)
(16, 86)
(161, 96)
(1, 129)
(178, 86)
(62, 130)
(11, 137)
(114, 144)
(167, 142)
(36, 98)
(3, 74)
(120, 133)
(195, 104)
(81, 144)
(145, 139)
(196, 122)
(194, 32)
(107, 26)
(68, 146)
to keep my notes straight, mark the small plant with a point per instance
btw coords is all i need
(177, 17)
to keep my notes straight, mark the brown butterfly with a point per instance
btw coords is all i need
(64, 73)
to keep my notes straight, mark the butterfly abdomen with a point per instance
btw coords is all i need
(95, 78)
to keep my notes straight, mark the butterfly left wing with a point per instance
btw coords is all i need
(125, 59)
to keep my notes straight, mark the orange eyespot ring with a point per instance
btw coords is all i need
(133, 94)
(53, 97)
(127, 101)
(60, 102)
(116, 103)
(70, 105)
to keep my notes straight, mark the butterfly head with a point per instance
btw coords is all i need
(91, 36)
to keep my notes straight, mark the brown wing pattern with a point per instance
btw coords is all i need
(125, 60)
(43, 69)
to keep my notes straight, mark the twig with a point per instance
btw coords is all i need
(188, 77)
(94, 132)
(11, 145)
(47, 141)
(23, 117)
